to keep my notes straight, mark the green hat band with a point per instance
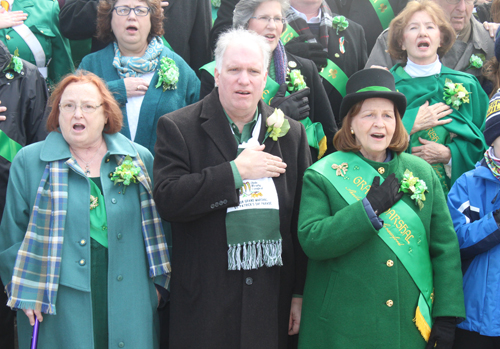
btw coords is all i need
(374, 88)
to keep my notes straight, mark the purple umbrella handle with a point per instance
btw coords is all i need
(34, 337)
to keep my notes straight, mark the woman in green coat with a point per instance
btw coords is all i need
(384, 265)
(31, 28)
(446, 108)
(80, 238)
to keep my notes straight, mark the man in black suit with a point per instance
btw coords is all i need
(228, 173)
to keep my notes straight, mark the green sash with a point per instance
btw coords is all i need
(403, 231)
(440, 135)
(384, 12)
(8, 147)
(315, 134)
(331, 73)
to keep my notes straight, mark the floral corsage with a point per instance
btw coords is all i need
(476, 61)
(340, 23)
(15, 63)
(295, 81)
(126, 173)
(168, 74)
(455, 94)
(215, 3)
(277, 125)
(414, 186)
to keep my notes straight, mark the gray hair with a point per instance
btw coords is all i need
(245, 9)
(239, 36)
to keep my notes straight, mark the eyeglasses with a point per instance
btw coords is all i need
(455, 2)
(267, 19)
(140, 11)
(85, 108)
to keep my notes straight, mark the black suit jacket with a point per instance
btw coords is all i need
(212, 307)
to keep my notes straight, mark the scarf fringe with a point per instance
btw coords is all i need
(254, 254)
(14, 303)
(422, 325)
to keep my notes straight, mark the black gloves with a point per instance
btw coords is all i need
(295, 106)
(382, 197)
(310, 50)
(442, 333)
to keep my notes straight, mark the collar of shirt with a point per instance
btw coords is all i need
(247, 129)
(418, 71)
(316, 19)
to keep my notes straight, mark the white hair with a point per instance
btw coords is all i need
(251, 39)
(245, 9)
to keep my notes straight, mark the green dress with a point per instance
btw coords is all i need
(357, 292)
(99, 264)
(464, 135)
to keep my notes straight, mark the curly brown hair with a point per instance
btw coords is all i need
(105, 13)
(110, 106)
(399, 23)
(345, 141)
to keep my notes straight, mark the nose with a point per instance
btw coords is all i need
(379, 121)
(78, 112)
(271, 23)
(243, 78)
(132, 14)
(461, 5)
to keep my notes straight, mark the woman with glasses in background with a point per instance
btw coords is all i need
(80, 248)
(146, 78)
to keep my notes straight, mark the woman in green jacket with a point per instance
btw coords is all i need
(147, 79)
(384, 265)
(80, 238)
(446, 108)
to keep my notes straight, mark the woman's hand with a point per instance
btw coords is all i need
(30, 314)
(295, 314)
(382, 197)
(429, 116)
(135, 87)
(11, 19)
(2, 110)
(432, 152)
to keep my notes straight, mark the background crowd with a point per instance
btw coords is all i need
(252, 153)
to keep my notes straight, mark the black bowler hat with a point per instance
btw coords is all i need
(371, 83)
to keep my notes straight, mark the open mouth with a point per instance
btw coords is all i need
(378, 135)
(78, 127)
(244, 93)
(270, 36)
(131, 28)
(423, 44)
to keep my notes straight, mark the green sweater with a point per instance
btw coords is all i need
(464, 135)
(352, 274)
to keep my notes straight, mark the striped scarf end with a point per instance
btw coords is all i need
(14, 303)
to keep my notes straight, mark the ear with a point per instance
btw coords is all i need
(216, 76)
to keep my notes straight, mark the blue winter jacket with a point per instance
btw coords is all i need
(472, 200)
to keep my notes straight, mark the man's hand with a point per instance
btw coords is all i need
(30, 314)
(432, 152)
(135, 87)
(429, 116)
(254, 163)
(491, 27)
(11, 19)
(2, 110)
(295, 314)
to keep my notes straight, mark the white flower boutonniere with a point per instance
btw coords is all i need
(414, 186)
(455, 94)
(168, 74)
(277, 125)
(476, 61)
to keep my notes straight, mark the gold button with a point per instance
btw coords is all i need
(390, 263)
(7, 37)
(389, 303)
(83, 242)
(381, 170)
(82, 262)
